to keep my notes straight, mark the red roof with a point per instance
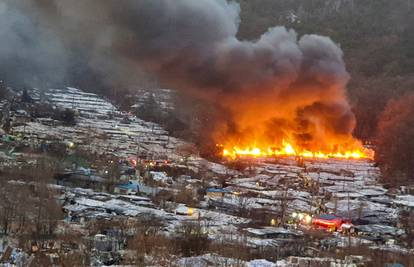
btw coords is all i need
(328, 221)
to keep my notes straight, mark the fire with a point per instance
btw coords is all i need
(289, 149)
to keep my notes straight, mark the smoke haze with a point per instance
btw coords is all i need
(278, 86)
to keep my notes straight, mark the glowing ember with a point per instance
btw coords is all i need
(287, 149)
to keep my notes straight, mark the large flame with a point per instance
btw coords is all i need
(356, 151)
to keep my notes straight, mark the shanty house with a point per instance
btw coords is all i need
(128, 188)
(216, 192)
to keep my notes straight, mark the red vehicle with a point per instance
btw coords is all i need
(328, 221)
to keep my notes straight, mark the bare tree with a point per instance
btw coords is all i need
(395, 145)
(148, 238)
(406, 218)
(191, 239)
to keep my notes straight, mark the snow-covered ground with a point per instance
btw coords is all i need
(101, 127)
(348, 188)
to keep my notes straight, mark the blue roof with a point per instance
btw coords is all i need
(217, 190)
(131, 185)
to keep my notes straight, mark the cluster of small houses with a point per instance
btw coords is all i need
(343, 197)
(132, 193)
(100, 127)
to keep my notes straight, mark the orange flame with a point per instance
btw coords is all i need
(288, 149)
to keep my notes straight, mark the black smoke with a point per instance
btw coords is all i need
(188, 45)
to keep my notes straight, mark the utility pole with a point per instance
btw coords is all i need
(138, 161)
(349, 217)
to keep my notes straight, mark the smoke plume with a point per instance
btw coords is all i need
(278, 86)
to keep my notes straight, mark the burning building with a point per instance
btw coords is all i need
(281, 94)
